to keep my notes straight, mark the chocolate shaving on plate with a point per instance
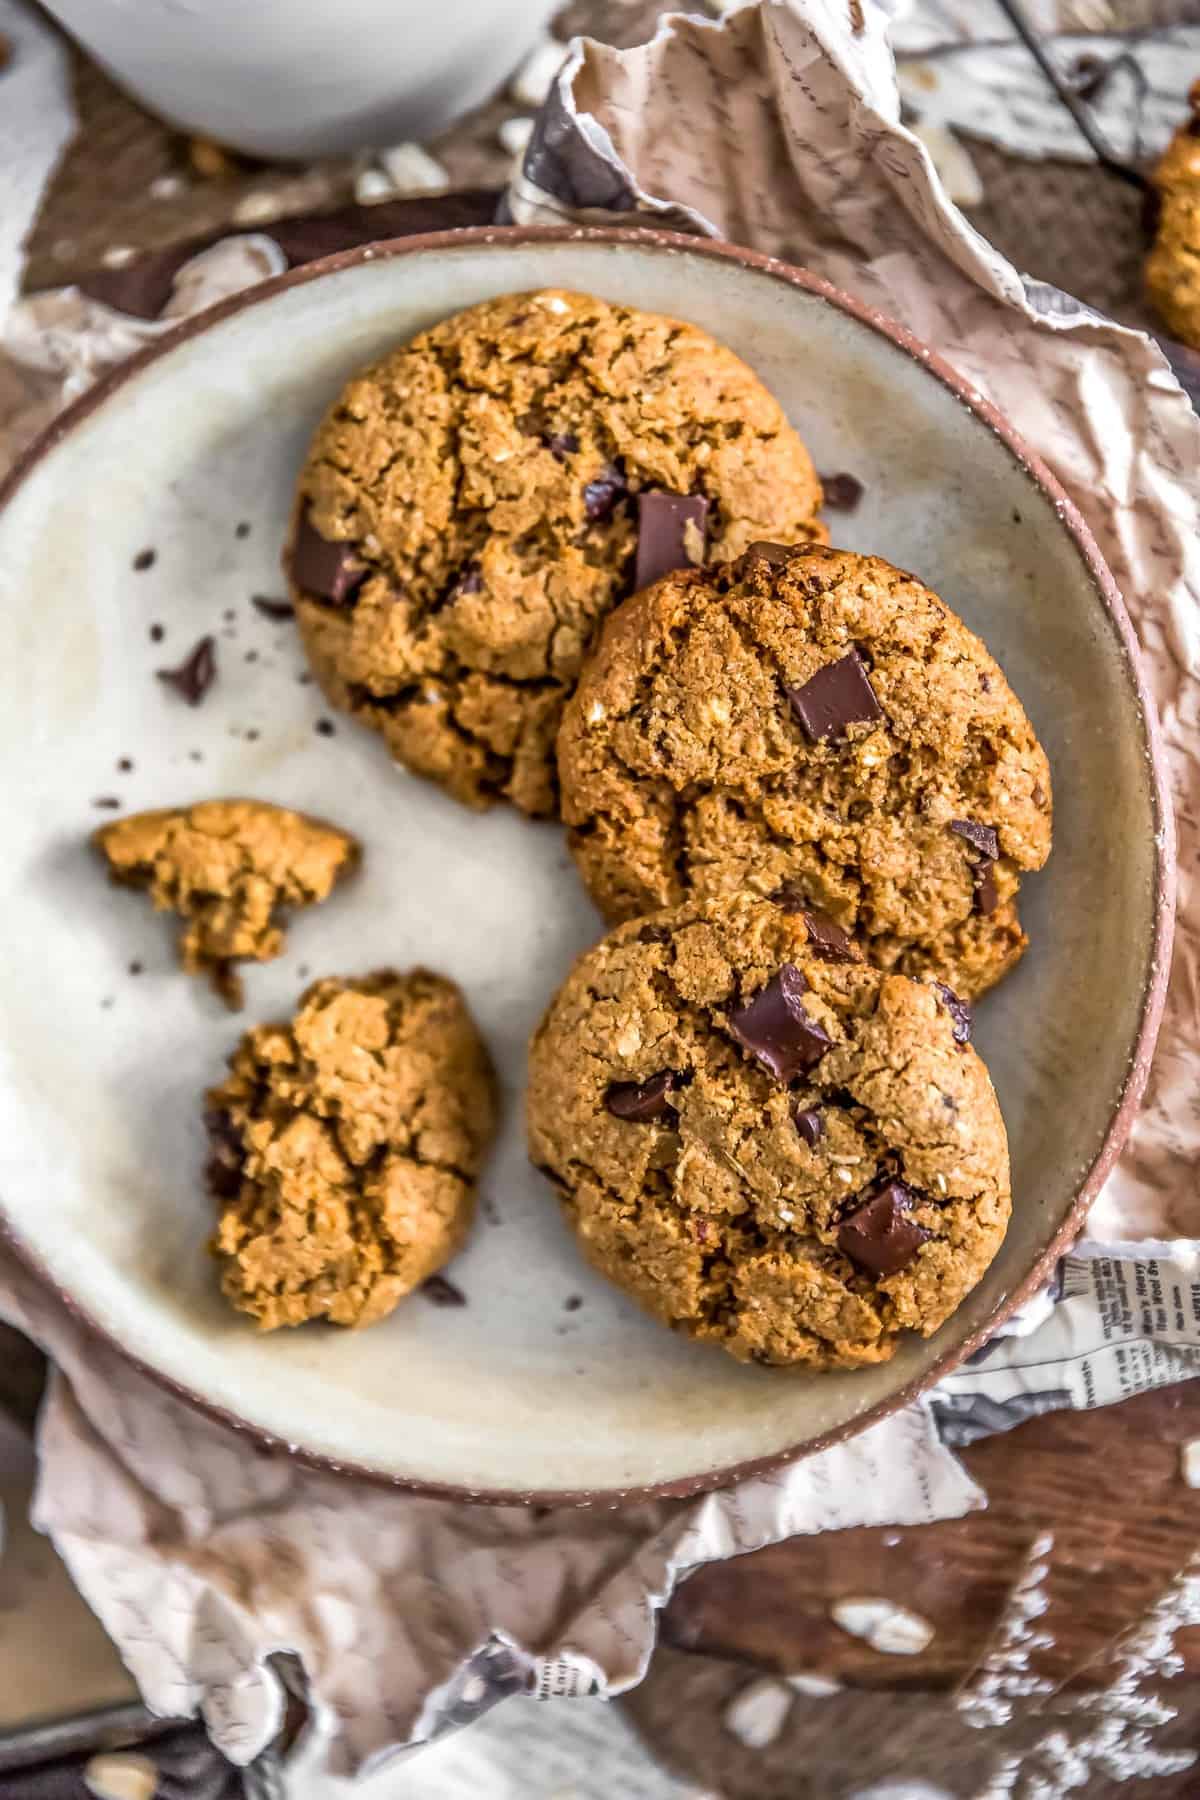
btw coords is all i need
(272, 609)
(842, 492)
(195, 674)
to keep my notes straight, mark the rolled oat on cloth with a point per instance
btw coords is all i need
(204, 1556)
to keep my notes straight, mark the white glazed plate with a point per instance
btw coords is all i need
(102, 1071)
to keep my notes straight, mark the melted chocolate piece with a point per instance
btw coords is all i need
(670, 534)
(442, 1292)
(960, 1013)
(775, 1028)
(980, 837)
(987, 897)
(601, 495)
(842, 492)
(639, 1101)
(837, 696)
(272, 609)
(195, 674)
(879, 1236)
(226, 1158)
(810, 1125)
(329, 570)
(775, 554)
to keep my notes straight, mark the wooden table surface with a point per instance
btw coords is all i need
(1090, 1529)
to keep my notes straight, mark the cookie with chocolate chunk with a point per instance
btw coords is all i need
(345, 1145)
(771, 1145)
(476, 502)
(816, 723)
(231, 869)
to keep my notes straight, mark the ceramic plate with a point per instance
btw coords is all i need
(192, 452)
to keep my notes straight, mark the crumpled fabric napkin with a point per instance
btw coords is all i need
(204, 1556)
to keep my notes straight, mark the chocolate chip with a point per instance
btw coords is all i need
(227, 1156)
(838, 695)
(469, 582)
(272, 609)
(108, 801)
(321, 567)
(324, 728)
(828, 940)
(810, 1125)
(157, 634)
(654, 934)
(242, 528)
(144, 560)
(775, 1028)
(842, 492)
(670, 534)
(443, 1292)
(601, 496)
(879, 1236)
(125, 764)
(960, 1013)
(639, 1101)
(562, 444)
(573, 1302)
(987, 896)
(195, 674)
(980, 837)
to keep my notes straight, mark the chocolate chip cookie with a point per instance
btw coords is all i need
(228, 867)
(345, 1146)
(1173, 265)
(768, 1143)
(817, 723)
(476, 502)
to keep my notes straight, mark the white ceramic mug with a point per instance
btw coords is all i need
(305, 78)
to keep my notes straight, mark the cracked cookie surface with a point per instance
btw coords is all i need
(228, 868)
(817, 721)
(469, 513)
(771, 1145)
(345, 1146)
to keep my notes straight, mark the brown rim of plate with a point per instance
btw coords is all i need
(1154, 997)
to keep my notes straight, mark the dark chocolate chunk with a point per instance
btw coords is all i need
(879, 1236)
(272, 609)
(654, 934)
(775, 1028)
(987, 897)
(108, 801)
(827, 940)
(144, 560)
(838, 695)
(573, 1302)
(443, 1292)
(329, 569)
(775, 554)
(562, 444)
(842, 492)
(670, 534)
(157, 634)
(324, 728)
(980, 837)
(602, 495)
(810, 1125)
(226, 1157)
(638, 1101)
(960, 1013)
(195, 674)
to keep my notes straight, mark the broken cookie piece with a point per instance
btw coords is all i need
(229, 868)
(344, 1149)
